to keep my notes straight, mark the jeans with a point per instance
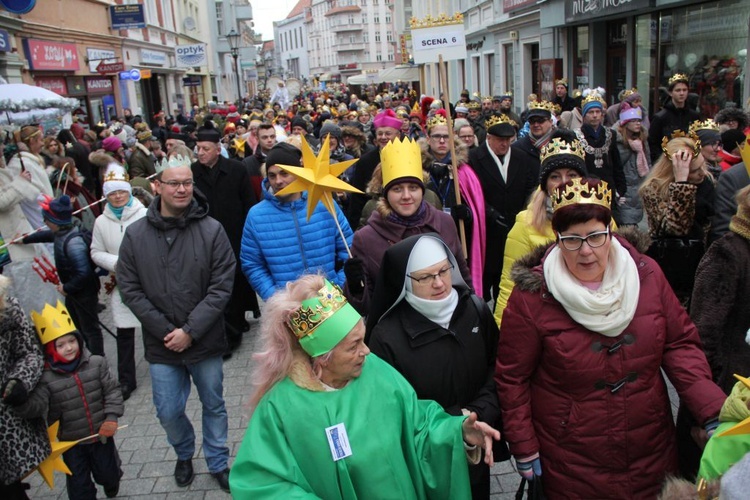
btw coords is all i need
(171, 387)
(99, 460)
(83, 310)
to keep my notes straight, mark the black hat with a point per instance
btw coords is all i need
(207, 133)
(708, 136)
(298, 121)
(178, 136)
(732, 138)
(284, 154)
(502, 130)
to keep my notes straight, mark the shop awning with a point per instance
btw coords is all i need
(325, 77)
(404, 73)
(364, 79)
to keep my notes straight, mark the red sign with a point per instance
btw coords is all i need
(54, 84)
(511, 5)
(114, 67)
(98, 85)
(51, 56)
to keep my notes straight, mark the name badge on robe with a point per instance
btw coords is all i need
(338, 441)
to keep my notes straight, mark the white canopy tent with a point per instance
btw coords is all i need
(403, 73)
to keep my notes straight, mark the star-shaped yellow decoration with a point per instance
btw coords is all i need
(744, 426)
(318, 177)
(54, 461)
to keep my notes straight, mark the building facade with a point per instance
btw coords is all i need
(292, 49)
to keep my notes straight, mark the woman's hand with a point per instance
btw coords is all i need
(681, 164)
(25, 175)
(478, 433)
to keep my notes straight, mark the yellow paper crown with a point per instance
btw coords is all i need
(400, 158)
(416, 108)
(708, 124)
(627, 92)
(592, 96)
(435, 121)
(496, 119)
(676, 78)
(545, 105)
(679, 133)
(562, 81)
(577, 191)
(53, 322)
(558, 146)
(487, 98)
(473, 105)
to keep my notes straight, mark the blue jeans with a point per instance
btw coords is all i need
(171, 387)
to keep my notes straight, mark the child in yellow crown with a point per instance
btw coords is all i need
(77, 389)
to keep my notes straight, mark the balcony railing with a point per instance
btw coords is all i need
(349, 47)
(340, 28)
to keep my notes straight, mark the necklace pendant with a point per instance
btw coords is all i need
(598, 163)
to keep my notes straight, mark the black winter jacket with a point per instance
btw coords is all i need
(665, 122)
(178, 273)
(71, 259)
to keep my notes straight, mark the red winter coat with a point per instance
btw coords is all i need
(595, 441)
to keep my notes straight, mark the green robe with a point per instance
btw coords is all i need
(402, 447)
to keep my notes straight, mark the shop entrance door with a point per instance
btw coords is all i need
(617, 64)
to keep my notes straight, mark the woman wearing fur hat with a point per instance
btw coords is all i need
(401, 211)
(590, 326)
(632, 144)
(121, 210)
(732, 117)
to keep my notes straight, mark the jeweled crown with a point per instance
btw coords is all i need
(708, 124)
(558, 146)
(496, 119)
(53, 322)
(577, 191)
(436, 120)
(679, 133)
(676, 78)
(313, 312)
(173, 162)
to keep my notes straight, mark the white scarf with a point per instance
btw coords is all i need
(438, 311)
(608, 310)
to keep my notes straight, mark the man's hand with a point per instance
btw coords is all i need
(177, 340)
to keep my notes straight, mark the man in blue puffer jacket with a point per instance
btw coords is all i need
(279, 243)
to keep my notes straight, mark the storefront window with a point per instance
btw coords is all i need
(645, 57)
(581, 57)
(509, 73)
(707, 42)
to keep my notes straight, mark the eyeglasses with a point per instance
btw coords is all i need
(429, 279)
(465, 137)
(176, 184)
(594, 240)
(440, 137)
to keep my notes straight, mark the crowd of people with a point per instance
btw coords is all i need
(501, 286)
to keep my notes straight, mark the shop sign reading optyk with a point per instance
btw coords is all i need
(189, 56)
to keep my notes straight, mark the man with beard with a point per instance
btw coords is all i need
(227, 187)
(675, 115)
(599, 142)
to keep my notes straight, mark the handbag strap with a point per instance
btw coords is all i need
(521, 488)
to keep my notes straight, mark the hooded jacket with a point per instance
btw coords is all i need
(665, 122)
(178, 273)
(596, 407)
(279, 243)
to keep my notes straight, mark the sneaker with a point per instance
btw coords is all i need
(112, 491)
(183, 472)
(223, 479)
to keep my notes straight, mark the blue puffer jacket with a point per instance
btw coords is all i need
(279, 244)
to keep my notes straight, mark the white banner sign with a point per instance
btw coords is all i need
(96, 56)
(429, 43)
(190, 55)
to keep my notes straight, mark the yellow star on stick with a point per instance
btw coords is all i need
(54, 461)
(745, 153)
(744, 426)
(318, 177)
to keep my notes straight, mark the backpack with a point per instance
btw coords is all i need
(87, 237)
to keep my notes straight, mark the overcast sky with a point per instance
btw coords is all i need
(266, 12)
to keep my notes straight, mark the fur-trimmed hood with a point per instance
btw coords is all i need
(527, 272)
(143, 194)
(100, 160)
(462, 152)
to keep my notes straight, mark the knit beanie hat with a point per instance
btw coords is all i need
(115, 179)
(298, 121)
(631, 98)
(330, 128)
(284, 154)
(628, 113)
(58, 210)
(111, 144)
(732, 138)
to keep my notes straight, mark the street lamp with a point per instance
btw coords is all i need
(233, 39)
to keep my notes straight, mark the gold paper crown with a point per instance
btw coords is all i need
(592, 96)
(53, 322)
(400, 158)
(473, 105)
(315, 311)
(562, 81)
(557, 146)
(577, 191)
(545, 105)
(172, 162)
(487, 98)
(679, 133)
(441, 20)
(676, 78)
(435, 121)
(627, 92)
(496, 119)
(708, 124)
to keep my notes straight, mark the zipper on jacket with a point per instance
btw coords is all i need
(86, 408)
(299, 237)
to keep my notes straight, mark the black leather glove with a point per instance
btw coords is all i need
(15, 393)
(461, 212)
(354, 269)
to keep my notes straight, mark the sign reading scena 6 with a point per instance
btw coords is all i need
(429, 43)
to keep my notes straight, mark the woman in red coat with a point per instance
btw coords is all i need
(589, 327)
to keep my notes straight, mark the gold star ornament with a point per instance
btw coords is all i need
(744, 426)
(318, 177)
(54, 461)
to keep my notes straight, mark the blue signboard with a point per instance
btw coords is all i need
(4, 41)
(18, 6)
(129, 16)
